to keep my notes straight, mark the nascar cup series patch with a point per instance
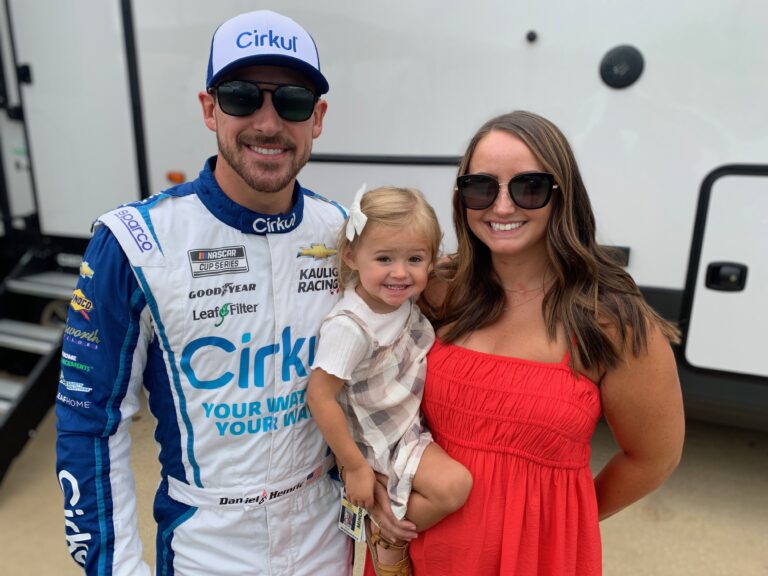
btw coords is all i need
(216, 261)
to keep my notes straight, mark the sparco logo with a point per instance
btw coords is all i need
(274, 224)
(136, 230)
(248, 39)
(223, 290)
(76, 540)
(216, 261)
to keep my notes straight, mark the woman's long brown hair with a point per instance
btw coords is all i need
(591, 296)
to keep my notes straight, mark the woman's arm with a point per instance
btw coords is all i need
(643, 406)
(391, 528)
(357, 475)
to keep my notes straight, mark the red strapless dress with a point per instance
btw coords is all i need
(523, 430)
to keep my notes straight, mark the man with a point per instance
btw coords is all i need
(211, 295)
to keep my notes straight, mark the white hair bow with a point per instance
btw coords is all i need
(356, 220)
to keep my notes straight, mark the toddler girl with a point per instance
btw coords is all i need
(368, 378)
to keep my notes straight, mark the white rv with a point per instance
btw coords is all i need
(662, 102)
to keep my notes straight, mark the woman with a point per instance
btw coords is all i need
(539, 332)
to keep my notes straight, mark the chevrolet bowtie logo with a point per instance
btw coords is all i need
(85, 270)
(317, 251)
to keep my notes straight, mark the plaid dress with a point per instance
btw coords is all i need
(383, 396)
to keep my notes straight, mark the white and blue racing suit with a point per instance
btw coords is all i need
(214, 309)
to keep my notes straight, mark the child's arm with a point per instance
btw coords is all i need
(358, 476)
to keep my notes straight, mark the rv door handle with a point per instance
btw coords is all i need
(24, 73)
(726, 276)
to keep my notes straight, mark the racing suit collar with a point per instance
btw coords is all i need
(240, 217)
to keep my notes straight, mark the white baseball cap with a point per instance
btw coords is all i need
(263, 38)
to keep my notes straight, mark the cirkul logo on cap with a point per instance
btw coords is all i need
(271, 40)
(263, 37)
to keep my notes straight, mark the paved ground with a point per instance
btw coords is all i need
(710, 519)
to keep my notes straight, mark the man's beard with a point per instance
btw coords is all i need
(261, 177)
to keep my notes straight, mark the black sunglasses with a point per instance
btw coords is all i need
(243, 98)
(529, 190)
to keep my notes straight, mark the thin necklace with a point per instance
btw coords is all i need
(524, 290)
(528, 290)
(516, 304)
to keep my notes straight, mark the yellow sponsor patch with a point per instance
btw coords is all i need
(81, 304)
(317, 251)
(85, 270)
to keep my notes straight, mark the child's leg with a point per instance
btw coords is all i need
(440, 487)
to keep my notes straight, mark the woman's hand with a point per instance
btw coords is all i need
(358, 485)
(381, 514)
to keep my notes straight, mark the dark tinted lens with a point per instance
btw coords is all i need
(531, 191)
(477, 191)
(238, 98)
(293, 103)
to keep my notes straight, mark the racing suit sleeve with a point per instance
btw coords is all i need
(104, 354)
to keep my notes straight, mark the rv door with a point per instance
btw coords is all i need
(75, 95)
(727, 308)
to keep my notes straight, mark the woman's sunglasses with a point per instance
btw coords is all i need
(242, 98)
(529, 190)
